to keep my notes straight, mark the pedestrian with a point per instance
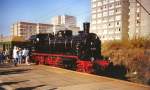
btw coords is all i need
(6, 53)
(24, 54)
(20, 56)
(2, 57)
(15, 55)
(27, 56)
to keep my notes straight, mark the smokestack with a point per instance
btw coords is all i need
(86, 27)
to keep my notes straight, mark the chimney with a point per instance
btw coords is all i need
(86, 27)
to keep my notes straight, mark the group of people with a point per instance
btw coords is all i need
(4, 56)
(20, 56)
(16, 56)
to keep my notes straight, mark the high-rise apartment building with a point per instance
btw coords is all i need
(109, 19)
(74, 29)
(24, 29)
(56, 20)
(139, 19)
(64, 20)
(44, 28)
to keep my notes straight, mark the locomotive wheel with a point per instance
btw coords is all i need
(69, 63)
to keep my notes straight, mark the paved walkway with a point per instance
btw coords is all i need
(40, 77)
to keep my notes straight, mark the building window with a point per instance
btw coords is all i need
(105, 7)
(105, 13)
(111, 25)
(104, 26)
(118, 29)
(117, 4)
(118, 17)
(94, 5)
(118, 11)
(99, 27)
(137, 4)
(105, 1)
(105, 32)
(94, 11)
(138, 22)
(94, 0)
(94, 22)
(111, 1)
(111, 6)
(93, 27)
(138, 15)
(99, 9)
(94, 16)
(99, 3)
(118, 23)
(111, 18)
(111, 12)
(104, 19)
(100, 15)
(99, 21)
(138, 10)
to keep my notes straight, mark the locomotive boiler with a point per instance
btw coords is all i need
(82, 52)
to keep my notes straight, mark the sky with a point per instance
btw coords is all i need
(41, 11)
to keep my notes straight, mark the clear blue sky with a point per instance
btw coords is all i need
(12, 11)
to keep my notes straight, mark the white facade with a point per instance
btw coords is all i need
(44, 28)
(139, 19)
(27, 29)
(23, 29)
(74, 29)
(65, 22)
(109, 19)
(56, 20)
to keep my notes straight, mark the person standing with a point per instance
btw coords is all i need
(27, 56)
(2, 57)
(15, 55)
(20, 56)
(23, 54)
(6, 53)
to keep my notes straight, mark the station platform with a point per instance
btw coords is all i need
(42, 77)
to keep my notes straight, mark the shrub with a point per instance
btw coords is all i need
(134, 55)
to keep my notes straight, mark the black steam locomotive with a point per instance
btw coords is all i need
(81, 52)
(85, 45)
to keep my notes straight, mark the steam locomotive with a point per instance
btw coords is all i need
(80, 52)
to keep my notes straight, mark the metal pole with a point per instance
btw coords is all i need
(143, 7)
